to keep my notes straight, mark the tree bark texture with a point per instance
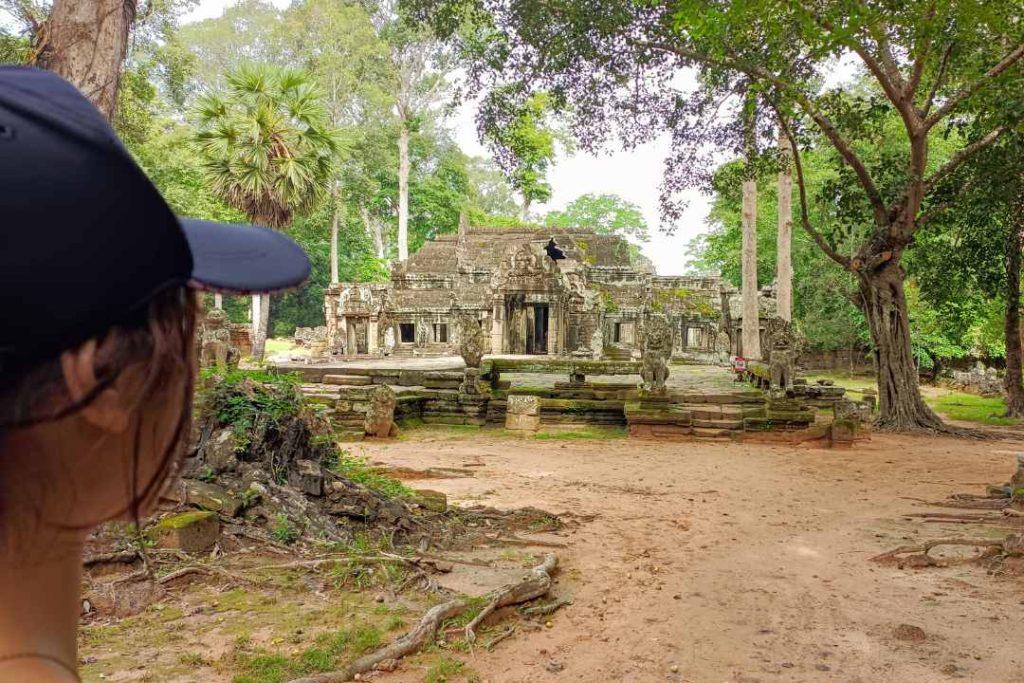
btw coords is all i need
(403, 192)
(1014, 378)
(86, 41)
(784, 239)
(884, 303)
(374, 230)
(751, 336)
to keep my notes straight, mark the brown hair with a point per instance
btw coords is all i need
(159, 337)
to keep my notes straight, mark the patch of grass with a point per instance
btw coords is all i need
(357, 469)
(444, 670)
(412, 431)
(957, 405)
(582, 433)
(282, 345)
(192, 659)
(283, 530)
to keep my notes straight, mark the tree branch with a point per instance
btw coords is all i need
(1005, 63)
(960, 157)
(807, 105)
(805, 218)
(943, 65)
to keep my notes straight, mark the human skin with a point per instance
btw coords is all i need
(58, 481)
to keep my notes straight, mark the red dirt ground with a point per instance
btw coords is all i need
(741, 562)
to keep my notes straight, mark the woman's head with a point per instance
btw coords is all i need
(96, 330)
(93, 433)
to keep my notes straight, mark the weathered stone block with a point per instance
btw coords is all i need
(435, 501)
(193, 532)
(518, 404)
(220, 452)
(212, 497)
(522, 423)
(380, 413)
(348, 380)
(307, 476)
(843, 433)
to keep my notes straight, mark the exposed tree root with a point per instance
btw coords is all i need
(507, 633)
(204, 569)
(544, 610)
(964, 501)
(920, 555)
(536, 584)
(532, 587)
(124, 557)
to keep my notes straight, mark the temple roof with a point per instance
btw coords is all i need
(485, 247)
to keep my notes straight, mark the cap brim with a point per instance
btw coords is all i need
(243, 259)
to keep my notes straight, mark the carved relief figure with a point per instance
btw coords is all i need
(471, 340)
(216, 350)
(656, 349)
(782, 352)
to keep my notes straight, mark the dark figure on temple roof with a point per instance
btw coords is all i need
(554, 252)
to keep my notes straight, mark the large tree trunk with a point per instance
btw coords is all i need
(403, 192)
(334, 244)
(86, 41)
(784, 240)
(1014, 379)
(260, 324)
(527, 202)
(900, 406)
(751, 311)
(374, 229)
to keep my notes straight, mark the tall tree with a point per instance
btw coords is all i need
(86, 41)
(524, 144)
(784, 238)
(607, 214)
(268, 150)
(751, 330)
(420, 65)
(969, 229)
(623, 71)
(338, 43)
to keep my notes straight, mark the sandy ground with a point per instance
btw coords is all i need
(741, 562)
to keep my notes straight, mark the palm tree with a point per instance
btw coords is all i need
(267, 149)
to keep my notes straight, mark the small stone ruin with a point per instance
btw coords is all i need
(978, 380)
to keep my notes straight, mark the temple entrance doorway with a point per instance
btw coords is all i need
(537, 329)
(527, 326)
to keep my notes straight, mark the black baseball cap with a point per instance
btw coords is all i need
(86, 240)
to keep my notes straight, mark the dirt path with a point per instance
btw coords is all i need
(730, 562)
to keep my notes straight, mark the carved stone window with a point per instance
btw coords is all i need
(407, 332)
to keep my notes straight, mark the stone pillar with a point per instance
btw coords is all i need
(497, 327)
(751, 312)
(371, 336)
(784, 258)
(350, 337)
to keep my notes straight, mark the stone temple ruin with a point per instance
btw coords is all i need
(566, 292)
(517, 302)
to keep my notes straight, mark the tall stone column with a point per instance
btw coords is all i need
(751, 312)
(784, 240)
(497, 327)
